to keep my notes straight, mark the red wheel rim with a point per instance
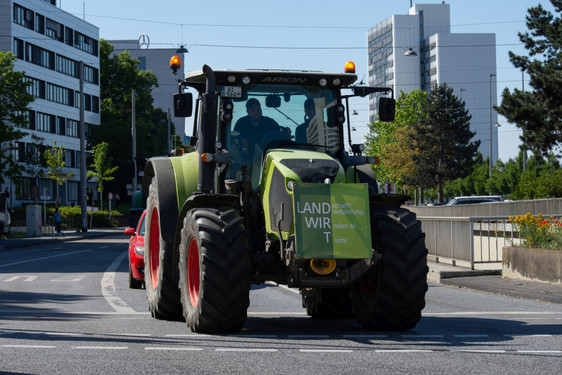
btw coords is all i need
(154, 248)
(193, 272)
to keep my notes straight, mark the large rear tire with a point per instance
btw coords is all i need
(327, 303)
(391, 296)
(161, 285)
(214, 270)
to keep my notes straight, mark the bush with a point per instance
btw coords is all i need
(538, 232)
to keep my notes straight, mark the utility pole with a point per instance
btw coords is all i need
(491, 125)
(83, 206)
(524, 148)
(168, 138)
(134, 136)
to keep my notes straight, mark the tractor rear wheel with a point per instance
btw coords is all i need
(214, 270)
(161, 286)
(391, 295)
(327, 303)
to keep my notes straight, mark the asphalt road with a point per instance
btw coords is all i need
(65, 308)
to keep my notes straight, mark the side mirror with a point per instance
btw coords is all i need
(273, 101)
(387, 107)
(183, 104)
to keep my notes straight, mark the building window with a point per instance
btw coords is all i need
(39, 56)
(72, 189)
(61, 125)
(55, 30)
(95, 104)
(19, 15)
(91, 75)
(23, 17)
(18, 48)
(85, 43)
(37, 87)
(39, 23)
(88, 102)
(25, 188)
(59, 94)
(66, 66)
(69, 36)
(45, 123)
(142, 63)
(72, 128)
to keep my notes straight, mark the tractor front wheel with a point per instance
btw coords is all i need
(214, 270)
(391, 296)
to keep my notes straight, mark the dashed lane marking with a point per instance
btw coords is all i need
(102, 347)
(163, 348)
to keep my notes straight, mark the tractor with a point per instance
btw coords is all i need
(278, 200)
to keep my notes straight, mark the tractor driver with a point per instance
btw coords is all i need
(309, 113)
(253, 127)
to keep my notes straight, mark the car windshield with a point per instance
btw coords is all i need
(269, 116)
(141, 226)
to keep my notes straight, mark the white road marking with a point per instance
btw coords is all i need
(246, 350)
(364, 336)
(539, 351)
(163, 348)
(42, 258)
(326, 350)
(481, 351)
(461, 313)
(25, 278)
(30, 346)
(470, 336)
(403, 351)
(108, 287)
(102, 347)
(525, 335)
(69, 279)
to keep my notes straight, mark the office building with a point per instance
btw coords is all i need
(51, 45)
(418, 51)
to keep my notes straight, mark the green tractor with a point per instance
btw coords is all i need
(272, 196)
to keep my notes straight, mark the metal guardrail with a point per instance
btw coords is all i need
(470, 240)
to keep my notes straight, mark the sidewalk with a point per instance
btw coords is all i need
(51, 238)
(489, 281)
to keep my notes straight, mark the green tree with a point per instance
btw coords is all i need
(14, 100)
(119, 75)
(441, 142)
(542, 179)
(539, 112)
(54, 158)
(389, 140)
(102, 169)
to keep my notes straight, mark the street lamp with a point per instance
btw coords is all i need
(491, 75)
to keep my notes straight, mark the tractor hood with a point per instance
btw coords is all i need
(282, 166)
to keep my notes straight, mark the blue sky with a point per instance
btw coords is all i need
(304, 34)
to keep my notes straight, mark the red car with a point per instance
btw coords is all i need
(136, 254)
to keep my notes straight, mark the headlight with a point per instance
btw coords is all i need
(139, 250)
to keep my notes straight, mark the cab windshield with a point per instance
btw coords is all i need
(269, 116)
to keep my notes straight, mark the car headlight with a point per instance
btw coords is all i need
(139, 250)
